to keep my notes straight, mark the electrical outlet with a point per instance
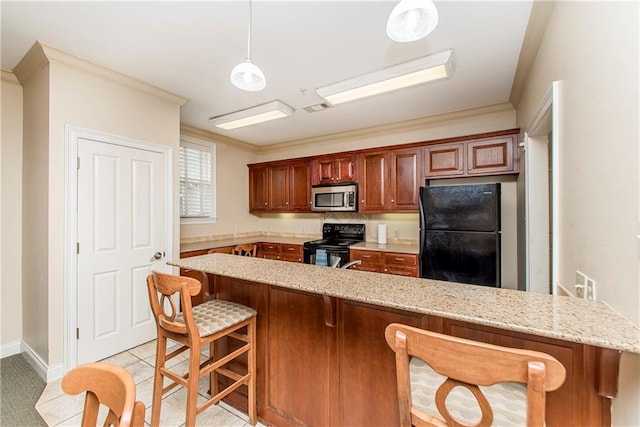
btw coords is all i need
(590, 290)
(581, 284)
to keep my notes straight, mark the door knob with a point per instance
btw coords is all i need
(158, 255)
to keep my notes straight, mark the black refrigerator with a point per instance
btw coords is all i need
(460, 233)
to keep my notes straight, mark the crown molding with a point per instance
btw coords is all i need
(391, 128)
(540, 12)
(195, 132)
(41, 54)
(9, 77)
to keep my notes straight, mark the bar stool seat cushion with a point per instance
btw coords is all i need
(508, 399)
(215, 315)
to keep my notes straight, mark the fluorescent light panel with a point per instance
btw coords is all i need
(251, 116)
(433, 67)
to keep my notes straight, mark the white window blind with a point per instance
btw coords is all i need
(197, 184)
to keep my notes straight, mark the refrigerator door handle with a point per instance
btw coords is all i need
(420, 204)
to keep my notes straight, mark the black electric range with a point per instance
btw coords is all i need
(336, 239)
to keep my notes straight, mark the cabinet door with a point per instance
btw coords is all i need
(322, 170)
(488, 157)
(406, 178)
(299, 188)
(344, 169)
(373, 173)
(258, 191)
(444, 160)
(401, 264)
(279, 188)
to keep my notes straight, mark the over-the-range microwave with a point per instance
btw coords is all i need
(334, 198)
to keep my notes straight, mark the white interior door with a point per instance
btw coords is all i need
(121, 236)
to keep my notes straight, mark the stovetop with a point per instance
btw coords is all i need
(339, 236)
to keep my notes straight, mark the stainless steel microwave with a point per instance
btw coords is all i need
(334, 198)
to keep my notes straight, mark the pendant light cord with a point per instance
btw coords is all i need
(249, 35)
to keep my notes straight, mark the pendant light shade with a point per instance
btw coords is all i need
(412, 20)
(246, 75)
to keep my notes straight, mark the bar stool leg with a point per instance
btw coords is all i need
(252, 410)
(161, 351)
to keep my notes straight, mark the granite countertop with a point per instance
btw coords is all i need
(389, 247)
(232, 241)
(565, 318)
(210, 243)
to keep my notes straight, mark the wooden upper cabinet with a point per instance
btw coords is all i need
(488, 156)
(406, 179)
(299, 187)
(333, 169)
(444, 160)
(280, 187)
(258, 188)
(374, 188)
(389, 181)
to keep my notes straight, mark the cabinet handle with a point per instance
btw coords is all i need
(361, 201)
(286, 203)
(399, 259)
(265, 203)
(289, 249)
(366, 256)
(393, 201)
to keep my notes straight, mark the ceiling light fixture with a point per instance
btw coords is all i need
(246, 75)
(251, 116)
(412, 20)
(433, 67)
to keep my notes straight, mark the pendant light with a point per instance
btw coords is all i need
(412, 20)
(246, 75)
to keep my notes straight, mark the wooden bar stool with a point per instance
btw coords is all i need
(249, 249)
(109, 385)
(469, 364)
(195, 328)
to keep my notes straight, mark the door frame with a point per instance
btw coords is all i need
(70, 274)
(545, 121)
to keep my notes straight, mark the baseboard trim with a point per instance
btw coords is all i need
(46, 372)
(10, 349)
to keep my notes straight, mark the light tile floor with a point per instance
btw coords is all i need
(60, 409)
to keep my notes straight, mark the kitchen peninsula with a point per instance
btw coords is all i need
(323, 360)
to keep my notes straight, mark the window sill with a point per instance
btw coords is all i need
(208, 220)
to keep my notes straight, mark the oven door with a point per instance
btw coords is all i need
(335, 257)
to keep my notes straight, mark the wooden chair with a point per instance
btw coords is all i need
(469, 364)
(249, 249)
(109, 385)
(195, 328)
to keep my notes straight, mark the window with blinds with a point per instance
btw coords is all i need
(197, 185)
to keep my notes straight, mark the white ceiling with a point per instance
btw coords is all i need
(189, 49)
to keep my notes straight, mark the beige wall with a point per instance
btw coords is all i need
(11, 216)
(74, 93)
(592, 48)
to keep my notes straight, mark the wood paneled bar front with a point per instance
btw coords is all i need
(323, 359)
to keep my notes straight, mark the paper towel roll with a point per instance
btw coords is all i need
(382, 234)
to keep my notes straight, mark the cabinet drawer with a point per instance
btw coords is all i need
(400, 259)
(271, 247)
(288, 248)
(365, 256)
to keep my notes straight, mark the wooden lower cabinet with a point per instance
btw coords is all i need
(400, 264)
(324, 361)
